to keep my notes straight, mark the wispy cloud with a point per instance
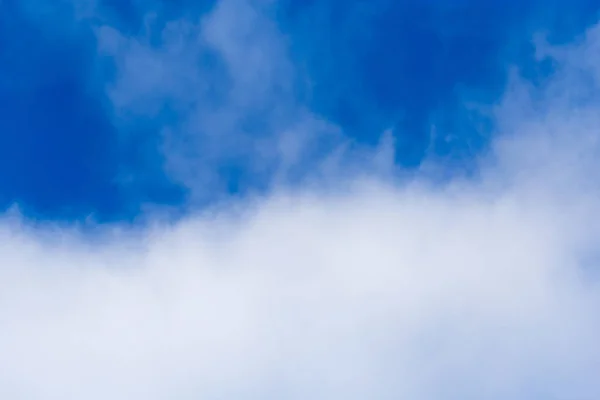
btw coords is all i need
(225, 91)
(227, 77)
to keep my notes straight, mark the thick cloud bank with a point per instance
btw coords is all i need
(379, 292)
(374, 289)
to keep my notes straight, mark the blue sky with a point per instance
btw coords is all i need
(262, 199)
(406, 66)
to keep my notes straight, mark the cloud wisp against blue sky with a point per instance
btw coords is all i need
(388, 201)
(110, 107)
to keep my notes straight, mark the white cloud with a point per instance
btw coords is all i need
(373, 289)
(380, 292)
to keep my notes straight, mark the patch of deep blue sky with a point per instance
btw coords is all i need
(405, 64)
